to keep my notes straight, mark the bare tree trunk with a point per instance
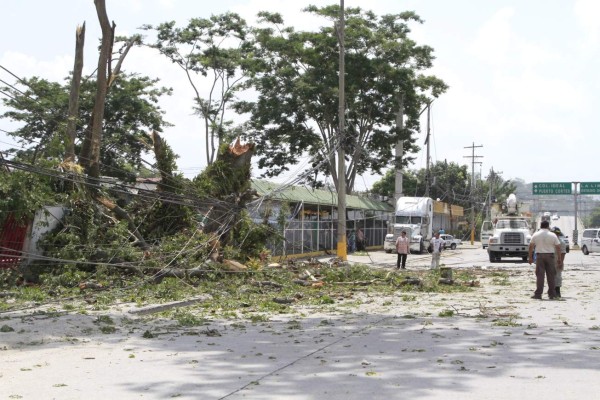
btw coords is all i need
(86, 149)
(74, 96)
(90, 152)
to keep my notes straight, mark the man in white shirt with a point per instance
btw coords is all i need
(437, 245)
(547, 249)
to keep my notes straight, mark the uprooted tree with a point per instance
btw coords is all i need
(106, 120)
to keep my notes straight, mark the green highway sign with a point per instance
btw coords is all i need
(552, 188)
(589, 188)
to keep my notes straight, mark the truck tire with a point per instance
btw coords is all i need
(388, 251)
(453, 246)
(525, 258)
(421, 247)
(492, 256)
(585, 250)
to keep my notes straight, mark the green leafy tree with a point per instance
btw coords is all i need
(212, 53)
(449, 182)
(386, 186)
(131, 110)
(594, 218)
(295, 75)
(23, 193)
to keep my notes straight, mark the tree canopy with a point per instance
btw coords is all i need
(295, 75)
(212, 53)
(450, 182)
(131, 111)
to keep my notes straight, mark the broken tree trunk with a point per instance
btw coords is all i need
(90, 152)
(74, 96)
(123, 215)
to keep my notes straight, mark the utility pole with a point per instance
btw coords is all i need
(493, 175)
(473, 157)
(399, 149)
(342, 246)
(575, 232)
(491, 194)
(427, 171)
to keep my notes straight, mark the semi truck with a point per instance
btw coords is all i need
(511, 235)
(415, 216)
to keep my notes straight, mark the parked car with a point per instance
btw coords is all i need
(450, 241)
(487, 230)
(590, 241)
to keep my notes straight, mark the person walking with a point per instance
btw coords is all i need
(561, 266)
(352, 242)
(547, 249)
(402, 248)
(437, 245)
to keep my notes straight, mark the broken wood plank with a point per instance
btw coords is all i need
(167, 306)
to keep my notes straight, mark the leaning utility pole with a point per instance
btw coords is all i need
(473, 157)
(342, 247)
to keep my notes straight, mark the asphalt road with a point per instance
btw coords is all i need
(490, 343)
(465, 256)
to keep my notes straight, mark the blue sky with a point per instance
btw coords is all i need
(522, 74)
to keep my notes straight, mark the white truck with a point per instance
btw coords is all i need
(512, 233)
(415, 216)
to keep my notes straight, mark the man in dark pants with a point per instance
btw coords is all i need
(547, 248)
(402, 248)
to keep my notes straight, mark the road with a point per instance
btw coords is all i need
(490, 342)
(467, 256)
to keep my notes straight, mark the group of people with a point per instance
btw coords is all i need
(550, 254)
(403, 248)
(356, 241)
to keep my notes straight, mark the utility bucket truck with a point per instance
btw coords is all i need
(415, 216)
(512, 233)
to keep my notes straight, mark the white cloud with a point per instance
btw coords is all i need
(587, 13)
(24, 65)
(167, 4)
(534, 92)
(493, 41)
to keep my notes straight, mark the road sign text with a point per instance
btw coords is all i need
(552, 188)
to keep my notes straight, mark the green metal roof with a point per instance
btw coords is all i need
(315, 196)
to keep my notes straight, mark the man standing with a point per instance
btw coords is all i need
(559, 268)
(437, 245)
(402, 247)
(547, 249)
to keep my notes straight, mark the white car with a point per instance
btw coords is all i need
(450, 241)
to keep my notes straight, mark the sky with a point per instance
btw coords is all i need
(522, 74)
